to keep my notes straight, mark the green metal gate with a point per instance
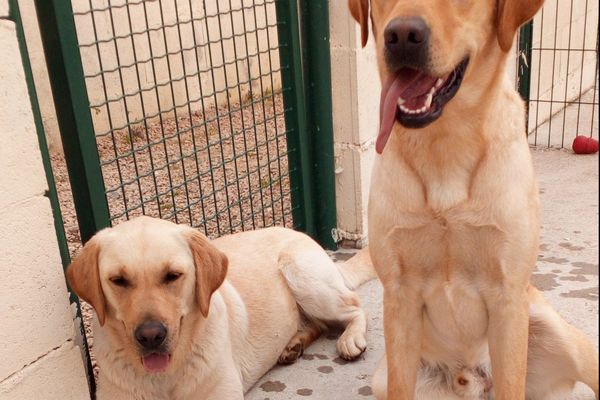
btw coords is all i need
(212, 113)
(557, 67)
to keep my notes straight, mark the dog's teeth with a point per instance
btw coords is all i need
(412, 112)
(439, 83)
(428, 100)
(400, 101)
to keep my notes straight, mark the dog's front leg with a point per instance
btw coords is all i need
(403, 327)
(507, 336)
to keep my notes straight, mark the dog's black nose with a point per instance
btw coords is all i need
(406, 42)
(150, 334)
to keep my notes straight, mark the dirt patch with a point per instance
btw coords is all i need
(576, 278)
(554, 260)
(544, 281)
(273, 386)
(571, 246)
(325, 369)
(587, 293)
(304, 392)
(365, 391)
(584, 268)
(311, 357)
(340, 361)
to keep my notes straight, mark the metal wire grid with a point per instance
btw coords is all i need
(563, 97)
(187, 108)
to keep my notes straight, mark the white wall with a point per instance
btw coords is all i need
(39, 357)
(355, 90)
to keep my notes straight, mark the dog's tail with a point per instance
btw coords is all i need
(587, 359)
(358, 269)
(553, 338)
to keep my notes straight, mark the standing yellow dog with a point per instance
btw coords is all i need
(453, 210)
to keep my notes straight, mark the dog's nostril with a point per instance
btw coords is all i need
(151, 334)
(391, 38)
(415, 37)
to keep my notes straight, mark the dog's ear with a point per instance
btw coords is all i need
(211, 269)
(511, 14)
(84, 278)
(360, 11)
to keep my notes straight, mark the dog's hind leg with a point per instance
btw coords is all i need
(323, 296)
(559, 354)
(308, 332)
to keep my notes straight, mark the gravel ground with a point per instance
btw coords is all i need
(224, 172)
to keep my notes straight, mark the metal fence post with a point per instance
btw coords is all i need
(306, 77)
(292, 88)
(59, 39)
(318, 89)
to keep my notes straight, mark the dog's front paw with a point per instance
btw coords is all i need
(351, 344)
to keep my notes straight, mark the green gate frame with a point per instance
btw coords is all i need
(306, 74)
(59, 39)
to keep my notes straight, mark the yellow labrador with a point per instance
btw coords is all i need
(453, 210)
(181, 317)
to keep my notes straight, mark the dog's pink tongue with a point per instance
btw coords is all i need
(407, 83)
(156, 362)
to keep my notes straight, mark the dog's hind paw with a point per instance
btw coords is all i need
(291, 353)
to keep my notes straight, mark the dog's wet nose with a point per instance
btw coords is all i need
(151, 334)
(406, 42)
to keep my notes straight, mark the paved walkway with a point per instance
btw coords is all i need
(567, 273)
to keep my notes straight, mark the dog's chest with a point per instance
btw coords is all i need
(450, 258)
(455, 321)
(446, 247)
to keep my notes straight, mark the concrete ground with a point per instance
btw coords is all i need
(567, 273)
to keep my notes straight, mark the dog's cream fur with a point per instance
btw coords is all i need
(241, 303)
(453, 218)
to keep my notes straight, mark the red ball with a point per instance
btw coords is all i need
(585, 145)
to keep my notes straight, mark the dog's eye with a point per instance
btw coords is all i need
(171, 277)
(462, 381)
(120, 281)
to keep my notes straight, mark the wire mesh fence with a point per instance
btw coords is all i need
(186, 104)
(562, 82)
